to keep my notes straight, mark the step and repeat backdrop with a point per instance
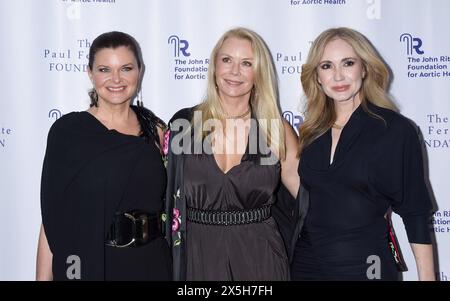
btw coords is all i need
(44, 52)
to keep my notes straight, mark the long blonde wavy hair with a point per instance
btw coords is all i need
(320, 113)
(264, 95)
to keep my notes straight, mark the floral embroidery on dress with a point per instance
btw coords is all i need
(176, 221)
(166, 142)
(165, 147)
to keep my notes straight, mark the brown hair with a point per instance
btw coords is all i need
(320, 113)
(113, 40)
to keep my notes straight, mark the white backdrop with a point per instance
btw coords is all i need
(43, 60)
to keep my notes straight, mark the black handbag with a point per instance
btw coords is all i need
(394, 247)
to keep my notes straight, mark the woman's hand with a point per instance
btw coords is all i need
(423, 254)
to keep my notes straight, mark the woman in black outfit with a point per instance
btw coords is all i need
(358, 159)
(103, 179)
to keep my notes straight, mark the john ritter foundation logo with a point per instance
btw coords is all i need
(54, 114)
(186, 67)
(179, 46)
(420, 64)
(294, 120)
(441, 221)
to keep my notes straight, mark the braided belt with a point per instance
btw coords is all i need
(228, 218)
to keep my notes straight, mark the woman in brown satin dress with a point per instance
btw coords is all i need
(220, 197)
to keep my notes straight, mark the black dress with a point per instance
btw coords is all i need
(89, 174)
(239, 252)
(377, 164)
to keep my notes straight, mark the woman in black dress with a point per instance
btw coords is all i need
(103, 179)
(222, 185)
(358, 159)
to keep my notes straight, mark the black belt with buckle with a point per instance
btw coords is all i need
(133, 229)
(228, 218)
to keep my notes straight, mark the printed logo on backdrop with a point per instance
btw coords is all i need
(420, 63)
(373, 11)
(5, 133)
(73, 9)
(294, 120)
(441, 226)
(443, 276)
(186, 67)
(54, 114)
(179, 46)
(289, 63)
(317, 2)
(68, 58)
(441, 221)
(412, 44)
(437, 133)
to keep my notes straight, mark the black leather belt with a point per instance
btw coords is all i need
(133, 229)
(228, 218)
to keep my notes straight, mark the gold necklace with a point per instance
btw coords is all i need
(337, 126)
(239, 116)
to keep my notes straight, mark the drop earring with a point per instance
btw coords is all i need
(94, 97)
(139, 101)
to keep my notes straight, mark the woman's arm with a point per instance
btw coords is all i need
(289, 166)
(44, 258)
(423, 254)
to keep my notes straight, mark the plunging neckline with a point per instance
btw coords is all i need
(225, 173)
(240, 161)
(332, 159)
(333, 153)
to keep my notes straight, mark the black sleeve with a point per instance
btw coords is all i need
(50, 177)
(285, 213)
(400, 177)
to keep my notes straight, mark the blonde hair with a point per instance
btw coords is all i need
(264, 95)
(320, 114)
